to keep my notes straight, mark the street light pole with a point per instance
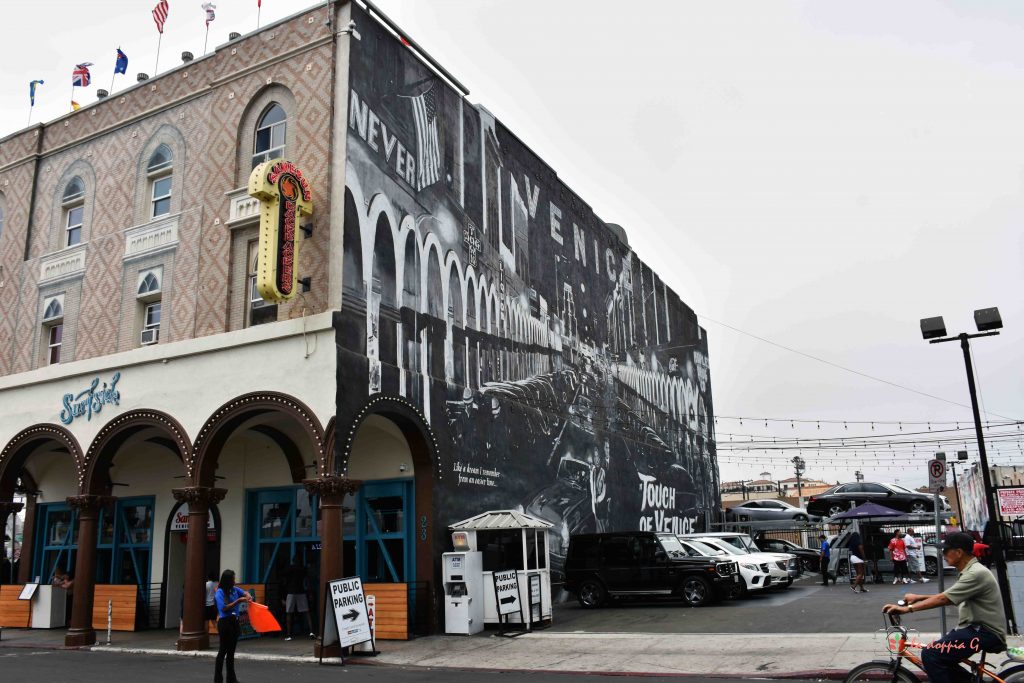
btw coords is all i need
(989, 323)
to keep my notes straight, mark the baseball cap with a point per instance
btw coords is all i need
(958, 541)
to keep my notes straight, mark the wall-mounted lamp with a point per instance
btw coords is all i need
(350, 29)
(402, 467)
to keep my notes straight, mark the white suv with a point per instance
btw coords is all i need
(755, 575)
(782, 567)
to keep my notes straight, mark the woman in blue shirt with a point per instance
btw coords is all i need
(228, 597)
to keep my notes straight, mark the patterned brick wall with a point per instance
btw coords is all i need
(207, 104)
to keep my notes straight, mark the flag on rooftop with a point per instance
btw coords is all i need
(32, 91)
(121, 65)
(210, 13)
(160, 14)
(75, 106)
(81, 77)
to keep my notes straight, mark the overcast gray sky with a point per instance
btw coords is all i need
(821, 175)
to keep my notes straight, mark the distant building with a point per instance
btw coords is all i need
(761, 489)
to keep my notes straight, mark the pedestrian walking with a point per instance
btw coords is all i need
(295, 597)
(824, 555)
(857, 555)
(898, 553)
(210, 611)
(228, 597)
(915, 556)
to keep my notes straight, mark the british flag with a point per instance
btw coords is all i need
(81, 77)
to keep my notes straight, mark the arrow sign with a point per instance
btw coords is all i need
(347, 609)
(350, 615)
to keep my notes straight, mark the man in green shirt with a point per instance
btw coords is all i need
(982, 622)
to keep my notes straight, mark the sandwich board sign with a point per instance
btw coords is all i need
(506, 592)
(346, 622)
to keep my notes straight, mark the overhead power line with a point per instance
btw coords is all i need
(843, 367)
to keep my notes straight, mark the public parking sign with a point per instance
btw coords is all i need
(348, 605)
(506, 592)
(936, 476)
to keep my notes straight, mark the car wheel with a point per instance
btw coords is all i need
(737, 591)
(811, 566)
(931, 566)
(843, 569)
(799, 518)
(591, 594)
(835, 509)
(918, 507)
(696, 591)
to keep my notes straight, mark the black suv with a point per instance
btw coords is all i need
(643, 564)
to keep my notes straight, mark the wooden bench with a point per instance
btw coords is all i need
(14, 613)
(125, 605)
(392, 606)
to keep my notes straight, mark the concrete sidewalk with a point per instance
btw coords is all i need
(763, 655)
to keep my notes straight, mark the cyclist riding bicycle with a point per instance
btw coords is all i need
(982, 622)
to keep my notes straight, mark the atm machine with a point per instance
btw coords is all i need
(463, 591)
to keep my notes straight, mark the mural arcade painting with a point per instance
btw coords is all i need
(559, 374)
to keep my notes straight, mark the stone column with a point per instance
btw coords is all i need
(8, 509)
(88, 508)
(199, 499)
(332, 490)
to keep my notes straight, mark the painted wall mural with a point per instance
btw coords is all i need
(559, 373)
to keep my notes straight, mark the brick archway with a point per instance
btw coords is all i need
(226, 420)
(115, 433)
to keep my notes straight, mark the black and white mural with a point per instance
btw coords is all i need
(559, 373)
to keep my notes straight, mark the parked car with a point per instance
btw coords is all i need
(809, 557)
(643, 564)
(875, 537)
(767, 510)
(782, 567)
(841, 498)
(755, 575)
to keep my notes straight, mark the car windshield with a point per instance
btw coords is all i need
(705, 549)
(671, 545)
(728, 547)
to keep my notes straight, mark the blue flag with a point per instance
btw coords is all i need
(121, 66)
(32, 92)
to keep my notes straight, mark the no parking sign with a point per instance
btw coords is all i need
(937, 475)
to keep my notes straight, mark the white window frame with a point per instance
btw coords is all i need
(69, 205)
(147, 324)
(254, 300)
(155, 173)
(271, 152)
(51, 347)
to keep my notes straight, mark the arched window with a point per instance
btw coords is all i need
(150, 284)
(53, 328)
(159, 171)
(73, 203)
(270, 134)
(1, 215)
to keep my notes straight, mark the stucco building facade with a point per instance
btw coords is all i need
(470, 336)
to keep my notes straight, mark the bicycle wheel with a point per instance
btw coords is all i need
(1013, 674)
(880, 670)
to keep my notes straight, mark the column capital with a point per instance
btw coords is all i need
(331, 485)
(201, 496)
(89, 502)
(8, 507)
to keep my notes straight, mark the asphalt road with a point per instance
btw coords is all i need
(805, 607)
(60, 666)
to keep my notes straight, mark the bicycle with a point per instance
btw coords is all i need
(899, 646)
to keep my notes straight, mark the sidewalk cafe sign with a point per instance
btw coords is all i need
(346, 622)
(90, 400)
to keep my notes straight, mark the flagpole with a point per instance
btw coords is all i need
(156, 68)
(72, 94)
(207, 38)
(112, 80)
(259, 8)
(30, 107)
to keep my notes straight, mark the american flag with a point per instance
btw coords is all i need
(160, 14)
(424, 110)
(210, 14)
(81, 77)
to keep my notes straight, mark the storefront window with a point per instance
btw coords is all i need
(58, 541)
